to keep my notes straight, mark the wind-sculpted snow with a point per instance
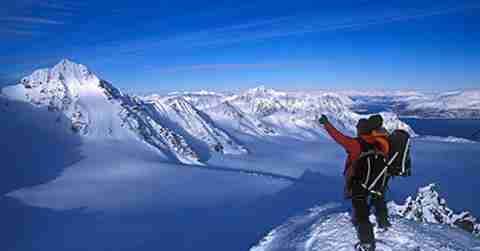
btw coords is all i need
(321, 229)
(429, 207)
(424, 223)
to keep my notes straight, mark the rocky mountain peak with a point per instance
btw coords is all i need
(429, 207)
(65, 72)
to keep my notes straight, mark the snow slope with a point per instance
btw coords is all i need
(126, 152)
(196, 123)
(46, 164)
(118, 175)
(183, 127)
(99, 111)
(324, 228)
(319, 231)
(232, 117)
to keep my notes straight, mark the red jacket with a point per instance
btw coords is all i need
(353, 147)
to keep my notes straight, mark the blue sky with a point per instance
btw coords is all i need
(157, 46)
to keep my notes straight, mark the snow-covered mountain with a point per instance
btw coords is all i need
(259, 101)
(429, 207)
(201, 99)
(184, 116)
(455, 104)
(97, 110)
(449, 139)
(461, 104)
(263, 111)
(424, 223)
(296, 113)
(115, 160)
(184, 126)
(232, 117)
(264, 101)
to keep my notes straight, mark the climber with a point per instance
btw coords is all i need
(370, 134)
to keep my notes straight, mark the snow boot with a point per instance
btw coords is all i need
(381, 230)
(384, 224)
(365, 246)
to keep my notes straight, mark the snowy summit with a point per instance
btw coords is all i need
(175, 123)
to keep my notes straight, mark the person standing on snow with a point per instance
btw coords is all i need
(370, 133)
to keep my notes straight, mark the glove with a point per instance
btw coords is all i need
(323, 119)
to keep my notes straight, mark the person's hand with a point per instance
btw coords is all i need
(323, 119)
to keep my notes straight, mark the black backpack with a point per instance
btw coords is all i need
(400, 163)
(371, 169)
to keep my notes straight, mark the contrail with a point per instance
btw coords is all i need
(34, 20)
(285, 26)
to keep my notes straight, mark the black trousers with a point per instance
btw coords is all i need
(361, 213)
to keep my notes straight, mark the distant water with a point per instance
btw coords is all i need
(367, 105)
(462, 128)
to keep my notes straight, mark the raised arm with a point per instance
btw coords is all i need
(346, 142)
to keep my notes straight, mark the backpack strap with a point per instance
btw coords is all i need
(367, 148)
(367, 151)
(364, 145)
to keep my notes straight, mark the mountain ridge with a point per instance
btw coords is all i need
(181, 124)
(424, 223)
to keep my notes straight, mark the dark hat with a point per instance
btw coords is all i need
(363, 127)
(375, 121)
